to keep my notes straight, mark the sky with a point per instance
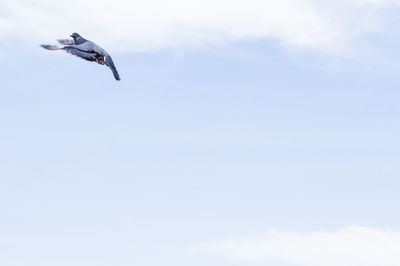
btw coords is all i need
(241, 133)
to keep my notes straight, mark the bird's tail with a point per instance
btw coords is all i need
(50, 47)
(109, 62)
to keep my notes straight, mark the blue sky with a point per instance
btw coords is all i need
(206, 145)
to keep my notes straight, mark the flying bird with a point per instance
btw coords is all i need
(87, 50)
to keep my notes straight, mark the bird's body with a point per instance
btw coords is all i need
(87, 50)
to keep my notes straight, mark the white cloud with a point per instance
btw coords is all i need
(142, 25)
(350, 246)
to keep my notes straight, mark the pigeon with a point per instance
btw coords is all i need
(87, 50)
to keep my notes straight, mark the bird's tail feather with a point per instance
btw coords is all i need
(109, 62)
(115, 73)
(50, 47)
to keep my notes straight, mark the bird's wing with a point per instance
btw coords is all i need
(88, 51)
(82, 54)
(66, 42)
(72, 49)
(50, 47)
(90, 47)
(109, 62)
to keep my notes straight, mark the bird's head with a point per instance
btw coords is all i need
(78, 39)
(75, 35)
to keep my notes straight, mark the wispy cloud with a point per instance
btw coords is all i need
(322, 25)
(350, 246)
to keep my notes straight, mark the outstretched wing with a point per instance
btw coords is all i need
(50, 47)
(109, 62)
(82, 54)
(88, 51)
(66, 42)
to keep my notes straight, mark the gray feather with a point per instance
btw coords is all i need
(87, 50)
(66, 42)
(110, 63)
(85, 55)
